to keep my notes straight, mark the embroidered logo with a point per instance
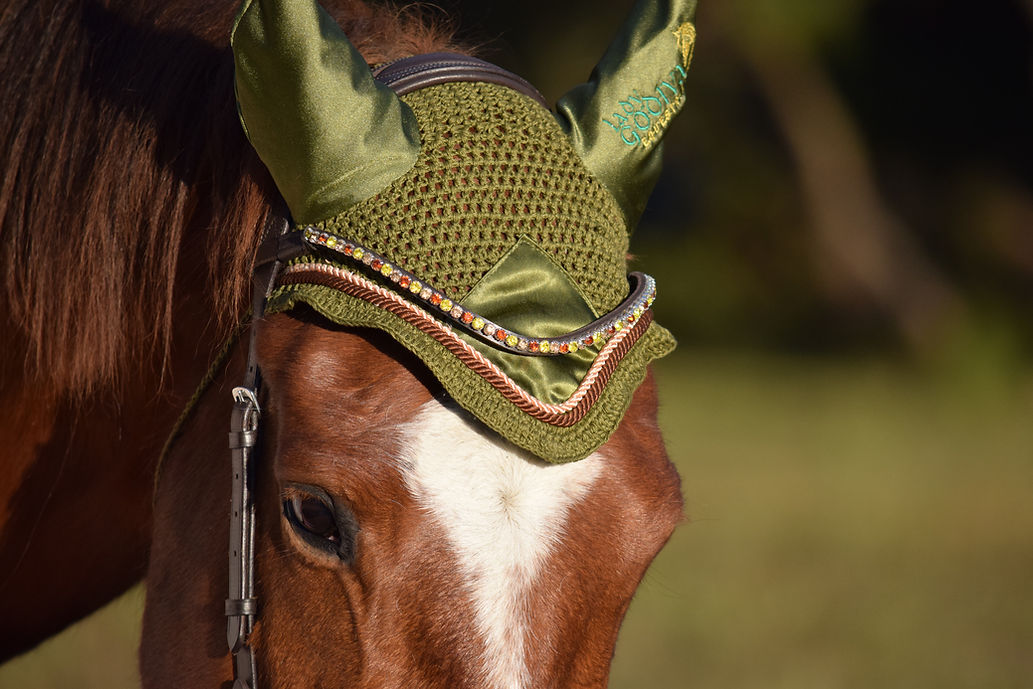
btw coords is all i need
(642, 119)
(686, 38)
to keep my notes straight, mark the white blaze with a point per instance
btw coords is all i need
(503, 511)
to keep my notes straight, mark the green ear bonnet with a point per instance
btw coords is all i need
(483, 232)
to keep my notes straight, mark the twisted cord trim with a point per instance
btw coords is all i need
(565, 414)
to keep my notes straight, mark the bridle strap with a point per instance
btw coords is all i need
(411, 73)
(278, 247)
(241, 605)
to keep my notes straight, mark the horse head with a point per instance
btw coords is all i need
(457, 479)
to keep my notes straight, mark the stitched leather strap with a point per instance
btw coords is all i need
(241, 607)
(416, 72)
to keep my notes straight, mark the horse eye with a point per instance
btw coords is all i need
(311, 517)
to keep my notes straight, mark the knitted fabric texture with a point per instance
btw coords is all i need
(556, 444)
(494, 167)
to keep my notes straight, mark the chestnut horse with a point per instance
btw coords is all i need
(131, 209)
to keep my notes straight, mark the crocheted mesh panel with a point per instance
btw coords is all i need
(494, 165)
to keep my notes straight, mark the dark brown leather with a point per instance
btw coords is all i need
(241, 606)
(411, 73)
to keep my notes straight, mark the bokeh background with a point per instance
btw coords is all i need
(843, 239)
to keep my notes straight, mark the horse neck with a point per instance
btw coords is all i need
(108, 208)
(130, 210)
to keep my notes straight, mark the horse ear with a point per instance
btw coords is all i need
(329, 133)
(617, 118)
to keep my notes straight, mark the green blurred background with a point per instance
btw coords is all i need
(843, 240)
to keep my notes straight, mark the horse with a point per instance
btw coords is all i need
(398, 540)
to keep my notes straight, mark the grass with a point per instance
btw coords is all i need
(851, 525)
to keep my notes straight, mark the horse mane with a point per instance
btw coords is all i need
(119, 139)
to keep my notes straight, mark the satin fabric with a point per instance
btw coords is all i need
(329, 133)
(555, 444)
(638, 79)
(332, 136)
(527, 293)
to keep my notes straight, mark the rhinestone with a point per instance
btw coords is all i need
(619, 325)
(376, 263)
(564, 348)
(348, 248)
(587, 341)
(446, 304)
(522, 345)
(457, 312)
(638, 312)
(435, 298)
(331, 242)
(358, 253)
(425, 293)
(477, 323)
(573, 347)
(544, 347)
(597, 339)
(415, 287)
(489, 329)
(322, 238)
(533, 346)
(467, 316)
(404, 281)
(367, 258)
(387, 270)
(500, 335)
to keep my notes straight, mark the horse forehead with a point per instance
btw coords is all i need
(503, 509)
(357, 374)
(503, 513)
(452, 460)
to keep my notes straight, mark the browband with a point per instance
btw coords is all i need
(639, 300)
(411, 73)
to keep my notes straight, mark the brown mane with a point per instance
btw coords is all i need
(119, 141)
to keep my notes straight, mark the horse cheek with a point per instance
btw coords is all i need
(184, 641)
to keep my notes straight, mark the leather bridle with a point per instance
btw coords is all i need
(278, 247)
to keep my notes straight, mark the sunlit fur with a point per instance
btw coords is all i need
(121, 158)
(475, 565)
(129, 209)
(503, 512)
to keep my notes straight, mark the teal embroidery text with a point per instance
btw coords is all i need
(642, 119)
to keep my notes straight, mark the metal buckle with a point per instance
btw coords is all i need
(242, 395)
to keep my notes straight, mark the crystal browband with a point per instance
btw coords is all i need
(561, 414)
(595, 334)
